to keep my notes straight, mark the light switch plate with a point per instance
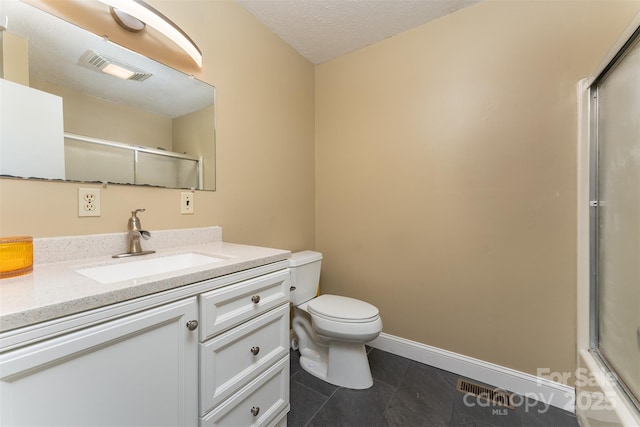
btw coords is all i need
(186, 202)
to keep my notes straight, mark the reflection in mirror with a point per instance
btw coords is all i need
(155, 128)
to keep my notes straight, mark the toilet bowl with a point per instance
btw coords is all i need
(330, 330)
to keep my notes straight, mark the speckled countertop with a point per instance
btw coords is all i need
(55, 289)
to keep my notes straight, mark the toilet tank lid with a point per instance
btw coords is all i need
(304, 257)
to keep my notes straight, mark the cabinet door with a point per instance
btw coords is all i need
(138, 370)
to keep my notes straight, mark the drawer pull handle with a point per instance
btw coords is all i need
(255, 299)
(255, 350)
(192, 325)
(255, 411)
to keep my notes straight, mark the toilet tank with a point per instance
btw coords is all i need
(305, 275)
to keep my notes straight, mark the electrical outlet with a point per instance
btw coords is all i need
(186, 203)
(88, 202)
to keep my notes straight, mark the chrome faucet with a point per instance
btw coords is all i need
(135, 232)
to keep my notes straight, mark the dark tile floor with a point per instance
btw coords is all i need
(407, 394)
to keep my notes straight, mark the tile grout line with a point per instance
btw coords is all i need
(326, 398)
(312, 389)
(395, 391)
(320, 408)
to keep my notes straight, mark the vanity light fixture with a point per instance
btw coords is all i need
(148, 15)
(127, 21)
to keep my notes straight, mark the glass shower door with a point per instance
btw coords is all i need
(617, 219)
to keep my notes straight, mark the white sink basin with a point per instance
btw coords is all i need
(147, 267)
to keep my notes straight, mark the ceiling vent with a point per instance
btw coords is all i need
(108, 65)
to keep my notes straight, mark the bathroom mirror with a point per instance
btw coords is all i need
(156, 129)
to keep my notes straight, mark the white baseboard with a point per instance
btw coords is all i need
(540, 389)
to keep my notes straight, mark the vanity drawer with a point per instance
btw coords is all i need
(231, 360)
(262, 402)
(227, 307)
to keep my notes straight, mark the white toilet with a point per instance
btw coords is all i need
(331, 330)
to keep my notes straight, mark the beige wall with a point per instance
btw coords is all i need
(192, 134)
(265, 146)
(446, 176)
(14, 58)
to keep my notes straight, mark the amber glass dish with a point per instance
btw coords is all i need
(16, 256)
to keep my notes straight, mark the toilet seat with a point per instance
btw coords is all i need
(343, 319)
(342, 309)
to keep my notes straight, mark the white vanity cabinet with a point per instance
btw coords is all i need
(210, 353)
(138, 370)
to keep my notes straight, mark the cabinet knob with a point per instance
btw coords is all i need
(192, 325)
(255, 411)
(255, 299)
(255, 350)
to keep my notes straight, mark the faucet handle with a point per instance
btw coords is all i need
(134, 221)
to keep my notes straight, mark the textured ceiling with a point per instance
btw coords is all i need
(321, 30)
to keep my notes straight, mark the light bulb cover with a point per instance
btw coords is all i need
(118, 71)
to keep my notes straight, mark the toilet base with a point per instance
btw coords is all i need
(344, 364)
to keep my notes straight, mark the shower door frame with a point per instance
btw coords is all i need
(618, 409)
(594, 204)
